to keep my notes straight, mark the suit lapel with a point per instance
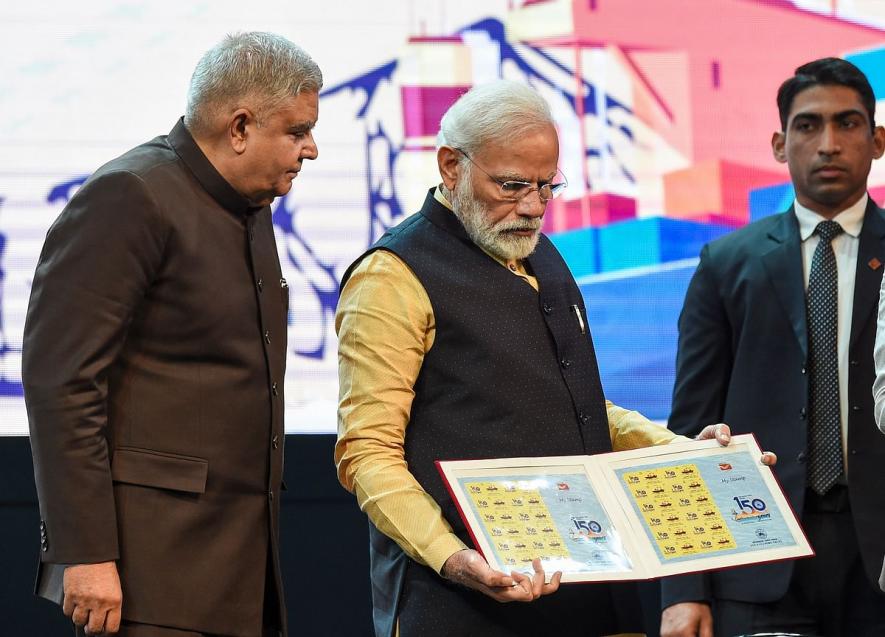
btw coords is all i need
(782, 259)
(867, 279)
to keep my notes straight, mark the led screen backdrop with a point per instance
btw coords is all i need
(665, 109)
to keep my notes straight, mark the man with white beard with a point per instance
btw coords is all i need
(462, 335)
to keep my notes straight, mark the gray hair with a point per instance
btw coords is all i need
(264, 67)
(499, 111)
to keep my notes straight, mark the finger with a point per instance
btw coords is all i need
(769, 458)
(80, 616)
(522, 587)
(715, 432)
(706, 627)
(553, 586)
(492, 578)
(95, 625)
(512, 594)
(476, 569)
(505, 596)
(538, 579)
(67, 605)
(112, 622)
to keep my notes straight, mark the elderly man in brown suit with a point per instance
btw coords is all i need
(154, 356)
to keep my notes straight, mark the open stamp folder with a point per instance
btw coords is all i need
(628, 515)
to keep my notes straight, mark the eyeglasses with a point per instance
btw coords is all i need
(513, 190)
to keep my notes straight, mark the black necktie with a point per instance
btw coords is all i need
(822, 307)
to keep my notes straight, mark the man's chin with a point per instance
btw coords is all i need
(835, 196)
(266, 198)
(516, 247)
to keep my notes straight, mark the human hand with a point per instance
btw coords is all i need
(93, 598)
(688, 619)
(468, 568)
(722, 433)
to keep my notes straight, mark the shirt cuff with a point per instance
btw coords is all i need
(879, 409)
(441, 549)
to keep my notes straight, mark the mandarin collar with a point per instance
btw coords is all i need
(211, 180)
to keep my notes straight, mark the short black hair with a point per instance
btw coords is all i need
(826, 72)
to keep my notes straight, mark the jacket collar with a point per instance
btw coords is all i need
(217, 186)
(782, 259)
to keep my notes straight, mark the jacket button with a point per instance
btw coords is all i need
(275, 441)
(566, 363)
(584, 418)
(804, 371)
(855, 408)
(802, 413)
(548, 308)
(853, 363)
(854, 452)
(267, 337)
(273, 389)
(270, 495)
(283, 284)
(801, 457)
(260, 284)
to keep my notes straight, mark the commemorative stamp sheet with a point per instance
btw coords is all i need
(554, 516)
(636, 514)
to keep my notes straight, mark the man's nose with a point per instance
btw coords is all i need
(532, 205)
(829, 141)
(310, 150)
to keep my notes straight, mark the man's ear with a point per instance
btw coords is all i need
(238, 129)
(878, 141)
(448, 159)
(778, 146)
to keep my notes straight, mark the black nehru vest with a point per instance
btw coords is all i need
(510, 372)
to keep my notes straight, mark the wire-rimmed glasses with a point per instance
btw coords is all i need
(515, 190)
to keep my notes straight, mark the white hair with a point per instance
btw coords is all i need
(499, 111)
(259, 66)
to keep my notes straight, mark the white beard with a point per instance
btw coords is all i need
(496, 238)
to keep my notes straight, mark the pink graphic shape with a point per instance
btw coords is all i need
(424, 106)
(599, 209)
(715, 189)
(735, 119)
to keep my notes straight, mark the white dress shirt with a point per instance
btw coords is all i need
(879, 384)
(845, 248)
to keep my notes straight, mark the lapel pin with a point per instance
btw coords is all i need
(874, 263)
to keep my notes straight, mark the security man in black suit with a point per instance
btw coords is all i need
(776, 338)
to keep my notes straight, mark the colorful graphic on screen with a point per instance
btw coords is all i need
(664, 123)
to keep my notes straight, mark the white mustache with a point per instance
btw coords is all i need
(506, 226)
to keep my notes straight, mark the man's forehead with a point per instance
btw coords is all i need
(825, 100)
(534, 147)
